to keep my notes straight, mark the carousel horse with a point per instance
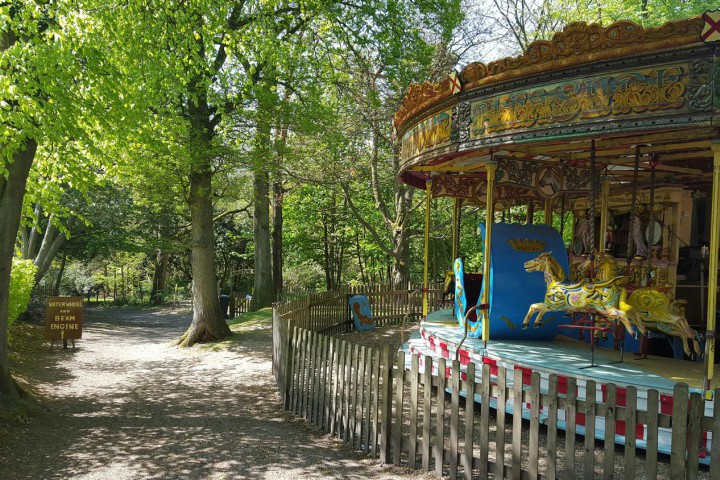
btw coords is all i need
(653, 307)
(582, 297)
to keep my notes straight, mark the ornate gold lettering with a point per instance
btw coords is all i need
(527, 245)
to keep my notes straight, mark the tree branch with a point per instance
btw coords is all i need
(227, 213)
(356, 213)
(375, 183)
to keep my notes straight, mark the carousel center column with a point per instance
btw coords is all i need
(490, 168)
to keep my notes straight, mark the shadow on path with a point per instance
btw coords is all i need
(127, 405)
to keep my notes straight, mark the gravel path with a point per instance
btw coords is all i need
(127, 405)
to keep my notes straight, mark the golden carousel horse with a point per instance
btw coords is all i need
(653, 307)
(586, 296)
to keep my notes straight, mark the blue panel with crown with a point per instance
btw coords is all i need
(512, 289)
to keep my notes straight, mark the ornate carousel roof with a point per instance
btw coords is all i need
(607, 96)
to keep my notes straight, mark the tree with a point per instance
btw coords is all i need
(518, 23)
(52, 78)
(367, 81)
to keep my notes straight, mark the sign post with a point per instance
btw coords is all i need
(64, 319)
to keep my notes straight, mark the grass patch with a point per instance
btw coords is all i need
(239, 325)
(248, 320)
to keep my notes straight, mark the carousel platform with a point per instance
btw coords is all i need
(439, 337)
(563, 356)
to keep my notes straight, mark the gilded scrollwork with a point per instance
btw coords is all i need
(473, 72)
(455, 186)
(420, 97)
(516, 172)
(579, 38)
(576, 179)
(572, 46)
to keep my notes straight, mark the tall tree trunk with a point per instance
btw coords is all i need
(159, 277)
(360, 258)
(278, 196)
(326, 255)
(207, 323)
(58, 279)
(263, 288)
(34, 234)
(122, 282)
(51, 243)
(29, 236)
(263, 280)
(401, 263)
(12, 191)
(277, 243)
(339, 265)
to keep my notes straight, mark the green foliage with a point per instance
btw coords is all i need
(262, 317)
(22, 277)
(648, 13)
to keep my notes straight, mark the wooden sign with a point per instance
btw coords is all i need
(64, 318)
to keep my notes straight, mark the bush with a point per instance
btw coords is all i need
(22, 277)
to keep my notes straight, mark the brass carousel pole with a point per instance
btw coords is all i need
(490, 168)
(633, 208)
(592, 210)
(651, 220)
(426, 260)
(548, 212)
(604, 195)
(713, 269)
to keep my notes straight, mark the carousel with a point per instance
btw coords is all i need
(613, 132)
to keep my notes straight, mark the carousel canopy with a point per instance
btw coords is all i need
(609, 97)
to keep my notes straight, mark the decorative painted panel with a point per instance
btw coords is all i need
(430, 133)
(624, 93)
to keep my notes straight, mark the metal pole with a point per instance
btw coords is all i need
(490, 168)
(562, 215)
(548, 212)
(592, 210)
(426, 282)
(604, 194)
(713, 269)
(633, 206)
(651, 221)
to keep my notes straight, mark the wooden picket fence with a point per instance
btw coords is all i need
(239, 304)
(404, 416)
(328, 311)
(371, 401)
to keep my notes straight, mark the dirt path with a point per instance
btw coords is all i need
(126, 405)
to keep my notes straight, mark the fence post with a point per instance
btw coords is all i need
(386, 398)
(287, 361)
(399, 401)
(277, 343)
(679, 431)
